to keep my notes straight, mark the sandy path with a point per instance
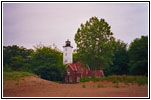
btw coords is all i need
(35, 87)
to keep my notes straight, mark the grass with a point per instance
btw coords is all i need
(83, 86)
(15, 75)
(116, 86)
(17, 82)
(140, 80)
(85, 79)
(100, 86)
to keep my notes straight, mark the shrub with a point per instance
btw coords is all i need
(128, 79)
(95, 79)
(116, 86)
(15, 57)
(138, 56)
(100, 86)
(85, 79)
(52, 72)
(141, 80)
(7, 68)
(47, 63)
(115, 81)
(83, 86)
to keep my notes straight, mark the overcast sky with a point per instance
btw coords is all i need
(28, 24)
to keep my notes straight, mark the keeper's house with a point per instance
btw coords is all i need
(74, 70)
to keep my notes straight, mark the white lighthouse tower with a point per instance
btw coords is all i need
(67, 53)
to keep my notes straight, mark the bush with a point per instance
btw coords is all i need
(95, 79)
(140, 80)
(83, 86)
(15, 57)
(85, 79)
(47, 63)
(116, 86)
(52, 72)
(7, 68)
(138, 56)
(100, 86)
(115, 81)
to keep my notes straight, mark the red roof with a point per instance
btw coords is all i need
(73, 67)
(78, 68)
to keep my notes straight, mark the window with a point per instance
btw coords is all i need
(65, 54)
(68, 72)
(65, 61)
(66, 79)
(65, 49)
(70, 79)
(78, 79)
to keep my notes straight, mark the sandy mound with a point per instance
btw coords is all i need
(34, 86)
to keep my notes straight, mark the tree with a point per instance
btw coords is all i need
(47, 63)
(120, 59)
(17, 62)
(138, 53)
(94, 43)
(75, 56)
(14, 55)
(53, 72)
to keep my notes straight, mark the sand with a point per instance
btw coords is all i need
(36, 87)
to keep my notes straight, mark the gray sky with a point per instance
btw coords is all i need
(28, 24)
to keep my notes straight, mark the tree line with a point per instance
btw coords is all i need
(43, 61)
(96, 46)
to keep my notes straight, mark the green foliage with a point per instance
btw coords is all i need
(76, 57)
(95, 46)
(47, 63)
(138, 53)
(7, 68)
(15, 75)
(94, 43)
(17, 62)
(115, 81)
(141, 80)
(15, 57)
(45, 56)
(100, 86)
(52, 72)
(84, 86)
(116, 86)
(44, 61)
(120, 60)
(87, 79)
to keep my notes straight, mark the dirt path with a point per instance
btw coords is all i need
(35, 87)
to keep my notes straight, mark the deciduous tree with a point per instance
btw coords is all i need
(13, 56)
(138, 53)
(94, 43)
(47, 63)
(120, 59)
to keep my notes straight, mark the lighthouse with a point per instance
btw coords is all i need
(67, 52)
